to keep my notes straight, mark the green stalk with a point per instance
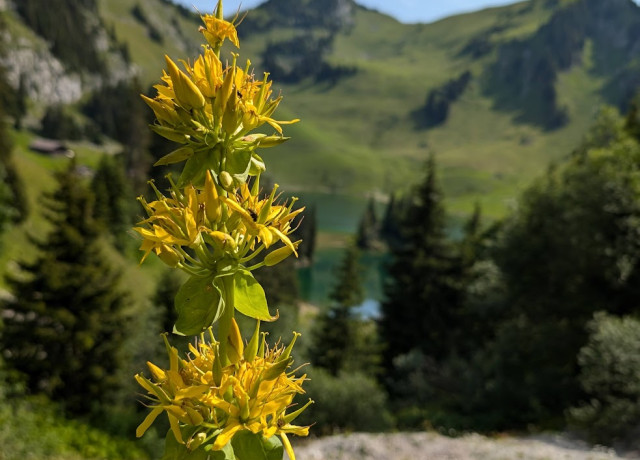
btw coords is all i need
(224, 328)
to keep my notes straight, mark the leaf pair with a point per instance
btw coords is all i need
(244, 446)
(200, 301)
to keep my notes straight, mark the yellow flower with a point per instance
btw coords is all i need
(253, 394)
(263, 219)
(207, 73)
(216, 30)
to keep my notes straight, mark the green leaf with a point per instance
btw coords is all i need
(238, 164)
(197, 165)
(193, 168)
(173, 450)
(199, 303)
(226, 453)
(273, 448)
(176, 156)
(249, 446)
(249, 296)
(257, 165)
(168, 133)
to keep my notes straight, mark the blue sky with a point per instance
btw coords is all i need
(403, 10)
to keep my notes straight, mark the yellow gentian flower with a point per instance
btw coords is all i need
(252, 394)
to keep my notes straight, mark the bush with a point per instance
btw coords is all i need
(33, 429)
(610, 375)
(349, 402)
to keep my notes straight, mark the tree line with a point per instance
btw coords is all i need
(499, 329)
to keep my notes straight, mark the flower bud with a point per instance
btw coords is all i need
(187, 93)
(196, 441)
(212, 205)
(225, 180)
(157, 373)
(164, 113)
(287, 351)
(224, 93)
(168, 255)
(235, 351)
(277, 256)
(222, 241)
(277, 369)
(251, 350)
(272, 141)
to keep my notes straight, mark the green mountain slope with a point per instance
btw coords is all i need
(360, 130)
(497, 94)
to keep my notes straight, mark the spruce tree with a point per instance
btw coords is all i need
(423, 292)
(368, 229)
(65, 324)
(112, 198)
(333, 336)
(307, 231)
(6, 208)
(16, 192)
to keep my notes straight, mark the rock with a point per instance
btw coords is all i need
(433, 446)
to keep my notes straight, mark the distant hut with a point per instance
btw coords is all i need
(51, 147)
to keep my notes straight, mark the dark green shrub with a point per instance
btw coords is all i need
(349, 402)
(610, 375)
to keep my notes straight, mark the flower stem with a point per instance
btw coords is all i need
(224, 328)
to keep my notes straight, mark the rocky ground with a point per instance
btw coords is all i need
(432, 446)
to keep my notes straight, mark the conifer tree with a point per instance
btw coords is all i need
(333, 339)
(166, 291)
(6, 211)
(112, 198)
(632, 119)
(391, 222)
(368, 228)
(65, 324)
(423, 292)
(471, 240)
(17, 198)
(307, 231)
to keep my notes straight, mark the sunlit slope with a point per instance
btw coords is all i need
(359, 131)
(360, 135)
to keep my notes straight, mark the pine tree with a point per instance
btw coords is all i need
(471, 240)
(423, 292)
(307, 231)
(112, 198)
(368, 229)
(166, 291)
(632, 119)
(333, 336)
(64, 326)
(17, 199)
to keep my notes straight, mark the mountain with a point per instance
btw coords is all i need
(497, 94)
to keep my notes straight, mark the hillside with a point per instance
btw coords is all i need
(496, 94)
(509, 121)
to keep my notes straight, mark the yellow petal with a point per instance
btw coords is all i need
(157, 373)
(227, 434)
(148, 420)
(287, 446)
(175, 427)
